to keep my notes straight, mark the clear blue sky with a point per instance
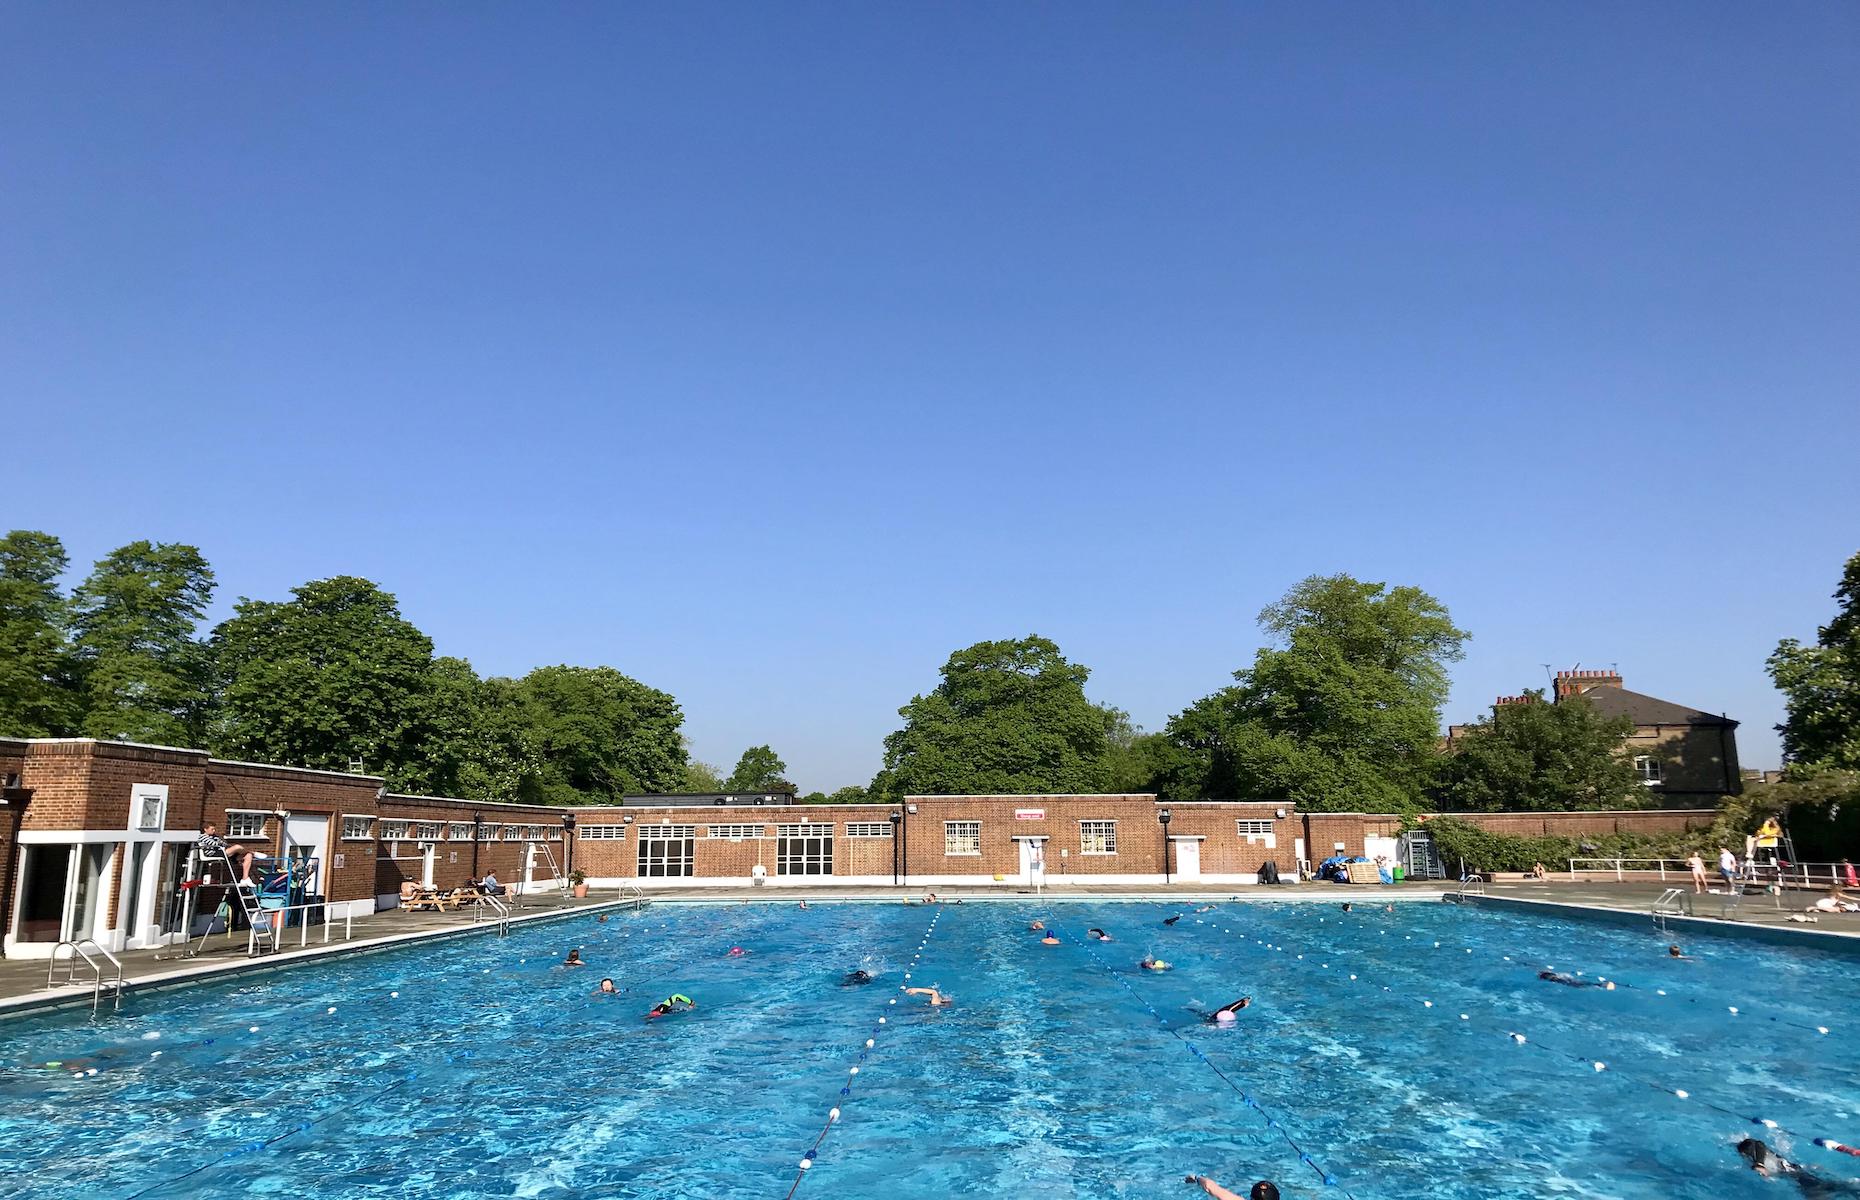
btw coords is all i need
(769, 352)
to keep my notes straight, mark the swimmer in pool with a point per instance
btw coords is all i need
(1346, 906)
(1572, 981)
(1172, 920)
(1676, 952)
(1265, 1189)
(1049, 940)
(937, 999)
(855, 978)
(573, 959)
(674, 1003)
(1036, 926)
(601, 920)
(607, 988)
(1206, 908)
(1769, 1164)
(1098, 935)
(736, 952)
(1229, 1014)
(1153, 964)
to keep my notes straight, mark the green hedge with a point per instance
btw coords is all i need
(1484, 851)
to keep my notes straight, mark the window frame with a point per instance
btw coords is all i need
(368, 827)
(807, 845)
(869, 829)
(1656, 777)
(726, 831)
(234, 833)
(602, 833)
(969, 833)
(1106, 838)
(394, 830)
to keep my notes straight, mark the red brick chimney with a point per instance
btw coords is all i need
(1527, 698)
(1574, 683)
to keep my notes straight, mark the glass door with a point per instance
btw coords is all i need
(45, 873)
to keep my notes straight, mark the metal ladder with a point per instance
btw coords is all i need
(633, 892)
(555, 873)
(497, 906)
(1673, 902)
(263, 930)
(98, 983)
(1472, 885)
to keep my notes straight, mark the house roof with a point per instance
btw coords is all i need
(1643, 709)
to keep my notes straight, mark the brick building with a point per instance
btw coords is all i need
(98, 839)
(1684, 756)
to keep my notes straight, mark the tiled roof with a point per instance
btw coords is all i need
(1648, 710)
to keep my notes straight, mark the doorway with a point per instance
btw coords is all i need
(1032, 860)
(1187, 859)
(304, 839)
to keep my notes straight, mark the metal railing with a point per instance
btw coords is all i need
(487, 900)
(1788, 874)
(278, 927)
(1472, 885)
(96, 971)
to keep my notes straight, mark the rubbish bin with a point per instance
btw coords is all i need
(1400, 873)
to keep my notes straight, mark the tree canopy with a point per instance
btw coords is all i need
(759, 770)
(600, 735)
(144, 675)
(1342, 713)
(1535, 756)
(1821, 686)
(38, 697)
(1009, 718)
(333, 675)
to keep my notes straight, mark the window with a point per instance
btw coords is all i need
(512, 833)
(1649, 768)
(532, 833)
(804, 849)
(355, 829)
(868, 829)
(458, 831)
(555, 835)
(962, 837)
(603, 833)
(666, 851)
(736, 833)
(427, 831)
(1253, 829)
(393, 831)
(248, 825)
(1097, 837)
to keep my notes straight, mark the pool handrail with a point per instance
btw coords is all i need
(275, 933)
(97, 977)
(1795, 874)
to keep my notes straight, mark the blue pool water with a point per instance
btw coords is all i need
(1059, 1072)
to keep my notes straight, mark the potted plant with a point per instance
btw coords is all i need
(578, 879)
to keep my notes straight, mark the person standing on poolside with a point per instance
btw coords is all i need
(1727, 864)
(1696, 865)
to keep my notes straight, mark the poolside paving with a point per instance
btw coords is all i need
(22, 981)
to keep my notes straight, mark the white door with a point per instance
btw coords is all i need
(529, 865)
(1382, 848)
(1029, 852)
(1188, 860)
(305, 838)
(426, 868)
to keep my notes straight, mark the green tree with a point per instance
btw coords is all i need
(144, 675)
(1821, 686)
(333, 674)
(1340, 713)
(475, 738)
(1009, 718)
(1530, 756)
(852, 794)
(701, 777)
(758, 770)
(38, 697)
(600, 735)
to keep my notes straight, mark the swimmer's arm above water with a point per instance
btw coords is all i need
(1212, 1188)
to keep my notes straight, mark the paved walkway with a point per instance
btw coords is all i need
(1761, 910)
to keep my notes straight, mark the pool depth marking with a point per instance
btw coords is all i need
(833, 1114)
(1271, 1122)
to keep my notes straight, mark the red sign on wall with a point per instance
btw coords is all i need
(1030, 814)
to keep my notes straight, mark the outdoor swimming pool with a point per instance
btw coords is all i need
(494, 1072)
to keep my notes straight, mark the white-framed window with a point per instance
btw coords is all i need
(357, 828)
(962, 837)
(602, 833)
(243, 825)
(555, 834)
(393, 831)
(512, 833)
(532, 833)
(1097, 837)
(804, 849)
(428, 831)
(458, 831)
(868, 829)
(1650, 769)
(667, 850)
(736, 833)
(1253, 829)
